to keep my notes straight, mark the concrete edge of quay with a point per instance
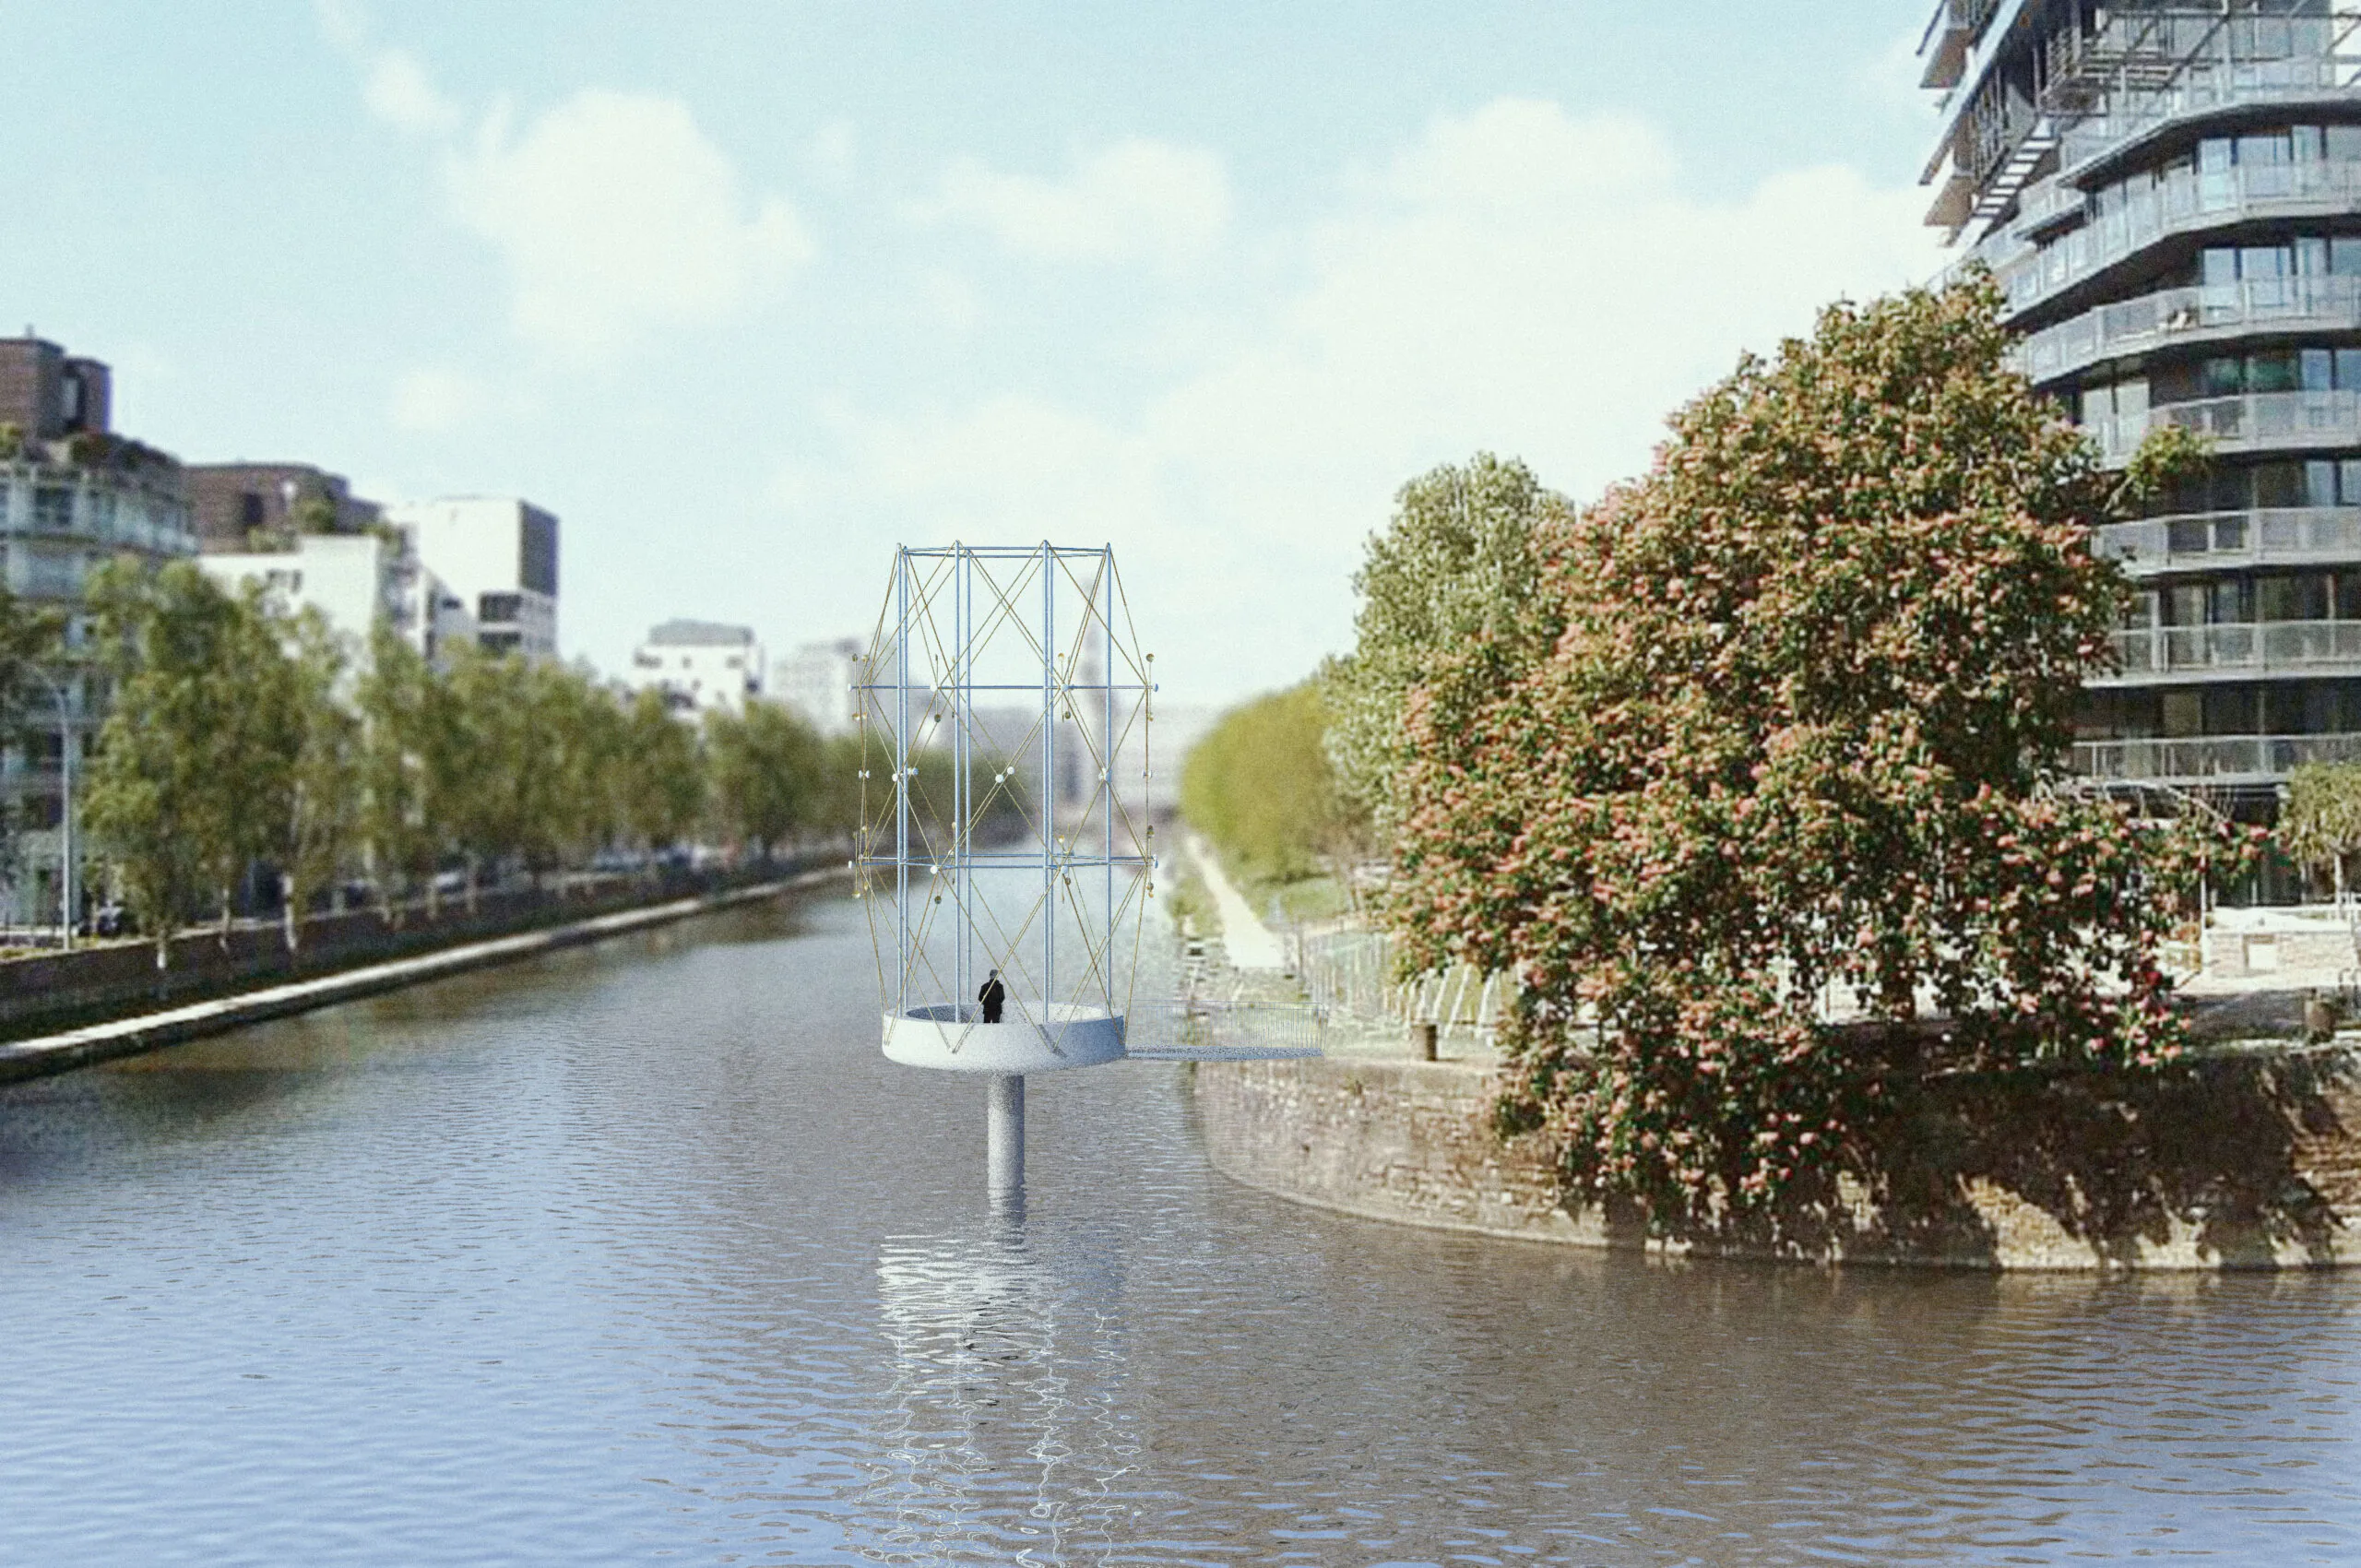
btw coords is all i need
(2249, 1163)
(44, 1055)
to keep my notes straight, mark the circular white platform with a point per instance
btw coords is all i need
(954, 1039)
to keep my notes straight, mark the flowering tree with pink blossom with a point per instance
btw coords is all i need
(1802, 736)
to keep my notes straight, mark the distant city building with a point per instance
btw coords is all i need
(242, 508)
(73, 493)
(492, 558)
(816, 680)
(356, 581)
(700, 667)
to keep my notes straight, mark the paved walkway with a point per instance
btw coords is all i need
(1250, 944)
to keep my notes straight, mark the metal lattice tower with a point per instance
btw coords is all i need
(1005, 712)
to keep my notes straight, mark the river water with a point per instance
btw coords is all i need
(644, 1254)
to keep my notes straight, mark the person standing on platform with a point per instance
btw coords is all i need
(993, 996)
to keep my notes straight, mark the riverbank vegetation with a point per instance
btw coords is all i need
(1782, 721)
(251, 760)
(1261, 786)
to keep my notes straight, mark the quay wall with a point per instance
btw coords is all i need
(58, 990)
(2245, 1161)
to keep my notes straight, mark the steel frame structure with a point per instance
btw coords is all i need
(955, 620)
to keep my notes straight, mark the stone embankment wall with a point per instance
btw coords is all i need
(2251, 1161)
(60, 990)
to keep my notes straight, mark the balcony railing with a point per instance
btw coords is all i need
(2232, 538)
(2316, 63)
(2152, 321)
(2183, 202)
(2219, 758)
(2270, 645)
(2254, 423)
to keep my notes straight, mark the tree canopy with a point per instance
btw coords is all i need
(1261, 786)
(1803, 730)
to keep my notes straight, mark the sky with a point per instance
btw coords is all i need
(751, 292)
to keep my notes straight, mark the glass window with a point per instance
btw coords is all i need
(2230, 489)
(2278, 371)
(2230, 603)
(2262, 148)
(2294, 595)
(2230, 533)
(2225, 377)
(2283, 711)
(2230, 711)
(2213, 154)
(2178, 382)
(2348, 481)
(2185, 605)
(2318, 373)
(2312, 258)
(2262, 261)
(2319, 483)
(2279, 485)
(2306, 144)
(2348, 596)
(2348, 369)
(2345, 255)
(2220, 265)
(2345, 143)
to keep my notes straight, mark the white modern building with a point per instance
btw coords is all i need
(496, 556)
(699, 666)
(817, 683)
(355, 581)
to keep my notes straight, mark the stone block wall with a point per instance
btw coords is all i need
(2253, 1161)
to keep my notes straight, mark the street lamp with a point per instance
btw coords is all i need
(65, 765)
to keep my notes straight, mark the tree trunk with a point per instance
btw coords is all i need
(286, 911)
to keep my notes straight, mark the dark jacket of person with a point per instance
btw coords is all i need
(993, 996)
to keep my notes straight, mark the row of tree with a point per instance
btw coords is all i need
(1786, 716)
(241, 740)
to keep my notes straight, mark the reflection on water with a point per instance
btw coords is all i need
(643, 1254)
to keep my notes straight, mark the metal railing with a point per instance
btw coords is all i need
(2183, 201)
(2224, 539)
(2218, 758)
(2253, 421)
(2139, 326)
(1350, 974)
(2276, 645)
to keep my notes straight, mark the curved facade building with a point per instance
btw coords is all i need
(2170, 196)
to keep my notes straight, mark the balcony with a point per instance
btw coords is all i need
(2187, 202)
(2177, 316)
(2196, 540)
(2255, 421)
(2315, 64)
(2237, 649)
(2219, 759)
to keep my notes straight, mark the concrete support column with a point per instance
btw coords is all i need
(1004, 1134)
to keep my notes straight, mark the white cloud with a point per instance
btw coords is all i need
(435, 398)
(1516, 280)
(1135, 200)
(834, 153)
(399, 92)
(618, 218)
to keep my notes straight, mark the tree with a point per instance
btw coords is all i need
(323, 802)
(663, 774)
(1803, 727)
(1451, 594)
(2320, 823)
(185, 779)
(410, 766)
(30, 638)
(768, 770)
(1261, 786)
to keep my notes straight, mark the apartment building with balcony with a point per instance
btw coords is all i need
(486, 563)
(73, 493)
(2169, 197)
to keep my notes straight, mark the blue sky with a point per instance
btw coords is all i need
(749, 293)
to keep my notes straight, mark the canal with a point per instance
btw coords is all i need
(643, 1254)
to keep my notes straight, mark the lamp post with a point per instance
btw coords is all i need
(66, 768)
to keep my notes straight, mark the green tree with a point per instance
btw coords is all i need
(31, 639)
(2319, 825)
(1451, 606)
(323, 802)
(769, 769)
(410, 766)
(1261, 786)
(1803, 727)
(191, 773)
